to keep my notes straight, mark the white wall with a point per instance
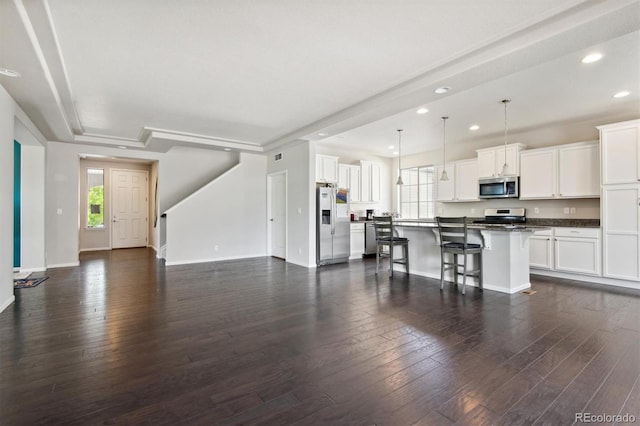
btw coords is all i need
(7, 111)
(154, 209)
(32, 244)
(180, 173)
(299, 162)
(183, 170)
(226, 219)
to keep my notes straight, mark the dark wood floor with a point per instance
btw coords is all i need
(124, 340)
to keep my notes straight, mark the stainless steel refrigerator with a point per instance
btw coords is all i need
(333, 243)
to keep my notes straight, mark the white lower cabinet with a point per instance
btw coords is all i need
(577, 250)
(573, 250)
(620, 206)
(357, 240)
(541, 249)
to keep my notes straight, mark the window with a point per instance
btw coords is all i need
(95, 198)
(417, 195)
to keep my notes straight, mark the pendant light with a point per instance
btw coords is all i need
(505, 167)
(399, 181)
(444, 155)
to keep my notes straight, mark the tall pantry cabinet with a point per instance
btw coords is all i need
(620, 201)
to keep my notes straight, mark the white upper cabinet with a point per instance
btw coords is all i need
(462, 184)
(326, 168)
(565, 171)
(620, 145)
(349, 178)
(466, 180)
(370, 181)
(491, 160)
(538, 173)
(579, 170)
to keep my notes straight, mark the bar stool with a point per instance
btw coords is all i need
(453, 240)
(386, 237)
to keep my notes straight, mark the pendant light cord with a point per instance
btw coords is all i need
(444, 141)
(505, 167)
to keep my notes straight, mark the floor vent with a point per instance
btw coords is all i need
(529, 292)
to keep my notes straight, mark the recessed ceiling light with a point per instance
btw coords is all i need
(391, 146)
(443, 89)
(323, 134)
(9, 73)
(122, 147)
(422, 111)
(395, 152)
(227, 149)
(592, 57)
(622, 94)
(474, 127)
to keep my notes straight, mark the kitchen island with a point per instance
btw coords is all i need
(505, 256)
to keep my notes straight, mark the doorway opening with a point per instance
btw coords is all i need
(116, 205)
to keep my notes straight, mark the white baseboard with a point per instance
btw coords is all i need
(95, 249)
(162, 254)
(586, 278)
(7, 303)
(304, 265)
(511, 290)
(63, 265)
(38, 269)
(213, 259)
(153, 247)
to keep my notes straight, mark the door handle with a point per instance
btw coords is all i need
(271, 220)
(115, 219)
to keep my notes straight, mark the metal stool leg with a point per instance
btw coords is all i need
(391, 260)
(406, 257)
(464, 273)
(441, 270)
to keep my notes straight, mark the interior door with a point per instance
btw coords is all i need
(277, 216)
(129, 209)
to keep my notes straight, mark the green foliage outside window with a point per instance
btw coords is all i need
(96, 198)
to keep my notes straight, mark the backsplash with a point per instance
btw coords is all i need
(578, 208)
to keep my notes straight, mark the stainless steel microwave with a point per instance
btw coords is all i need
(502, 187)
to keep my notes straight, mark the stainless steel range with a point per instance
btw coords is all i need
(501, 217)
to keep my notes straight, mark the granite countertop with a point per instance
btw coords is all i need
(532, 225)
(481, 227)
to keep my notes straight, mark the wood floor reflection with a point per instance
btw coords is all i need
(123, 340)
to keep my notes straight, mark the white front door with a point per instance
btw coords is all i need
(278, 215)
(129, 208)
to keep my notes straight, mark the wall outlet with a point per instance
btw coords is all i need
(573, 210)
(59, 211)
(536, 210)
(566, 210)
(300, 250)
(473, 210)
(216, 247)
(299, 210)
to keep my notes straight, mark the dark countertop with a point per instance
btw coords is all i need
(531, 222)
